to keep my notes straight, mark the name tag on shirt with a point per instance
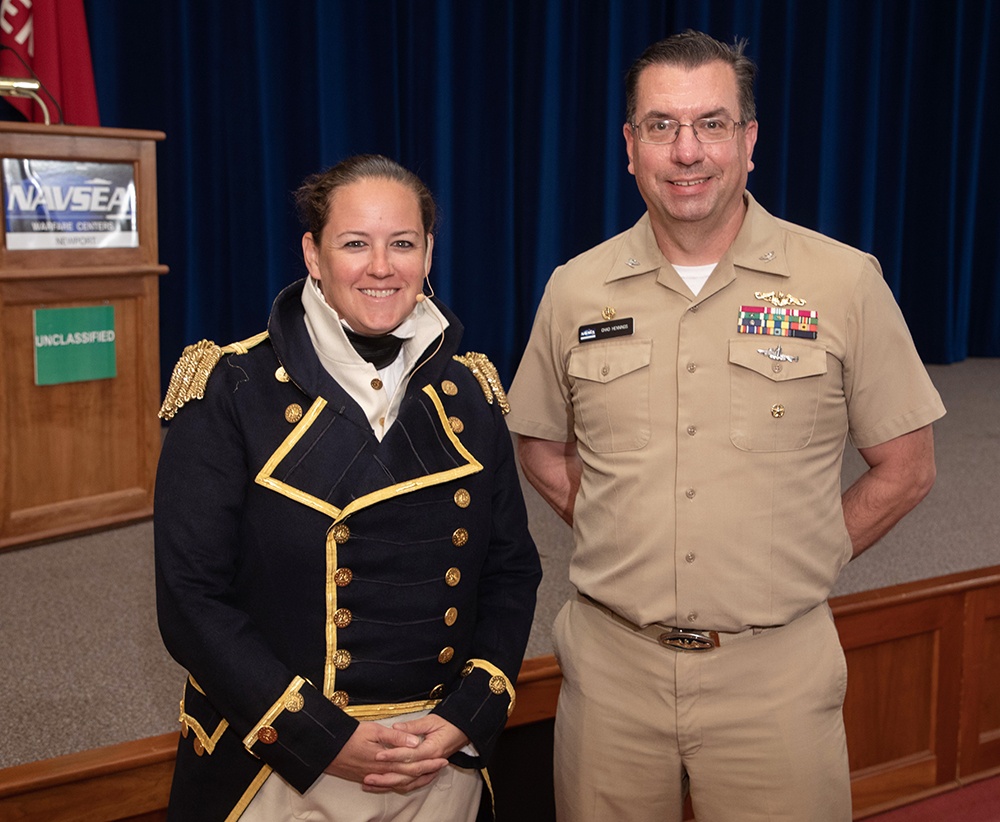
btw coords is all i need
(604, 331)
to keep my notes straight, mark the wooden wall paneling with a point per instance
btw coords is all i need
(980, 748)
(123, 782)
(902, 706)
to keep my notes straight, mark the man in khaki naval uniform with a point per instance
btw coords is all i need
(683, 403)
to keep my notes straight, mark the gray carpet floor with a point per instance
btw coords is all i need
(82, 666)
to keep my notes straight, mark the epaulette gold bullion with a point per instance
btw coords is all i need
(193, 369)
(489, 380)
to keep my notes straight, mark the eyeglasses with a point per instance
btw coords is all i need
(706, 129)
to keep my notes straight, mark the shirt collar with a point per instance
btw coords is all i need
(757, 247)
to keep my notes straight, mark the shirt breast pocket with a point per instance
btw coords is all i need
(774, 395)
(610, 391)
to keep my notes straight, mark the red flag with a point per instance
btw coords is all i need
(50, 36)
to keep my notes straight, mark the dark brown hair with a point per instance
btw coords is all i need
(313, 197)
(692, 49)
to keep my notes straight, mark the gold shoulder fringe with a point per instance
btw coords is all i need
(193, 370)
(489, 379)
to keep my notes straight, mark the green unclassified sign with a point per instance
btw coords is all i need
(74, 344)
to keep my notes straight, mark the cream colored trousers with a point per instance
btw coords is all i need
(753, 728)
(452, 797)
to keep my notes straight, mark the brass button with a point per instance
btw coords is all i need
(267, 735)
(341, 659)
(462, 498)
(692, 367)
(343, 577)
(451, 616)
(342, 617)
(456, 425)
(452, 577)
(446, 654)
(468, 668)
(449, 388)
(689, 557)
(437, 692)
(281, 375)
(777, 411)
(498, 684)
(605, 370)
(689, 493)
(341, 533)
(198, 747)
(185, 728)
(293, 413)
(377, 384)
(691, 430)
(460, 537)
(294, 703)
(340, 699)
(692, 617)
(776, 368)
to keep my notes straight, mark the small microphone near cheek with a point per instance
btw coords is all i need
(421, 296)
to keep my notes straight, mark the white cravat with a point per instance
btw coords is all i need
(356, 376)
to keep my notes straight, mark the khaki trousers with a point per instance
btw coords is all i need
(754, 728)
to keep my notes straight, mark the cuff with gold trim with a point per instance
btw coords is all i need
(291, 700)
(499, 681)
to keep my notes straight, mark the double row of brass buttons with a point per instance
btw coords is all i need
(343, 617)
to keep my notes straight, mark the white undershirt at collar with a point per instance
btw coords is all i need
(695, 275)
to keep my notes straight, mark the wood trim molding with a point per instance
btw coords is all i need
(941, 636)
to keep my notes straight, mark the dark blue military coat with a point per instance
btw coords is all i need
(307, 571)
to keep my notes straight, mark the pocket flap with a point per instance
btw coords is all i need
(604, 363)
(778, 361)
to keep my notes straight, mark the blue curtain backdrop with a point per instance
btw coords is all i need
(876, 118)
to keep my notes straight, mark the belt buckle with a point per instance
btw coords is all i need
(689, 640)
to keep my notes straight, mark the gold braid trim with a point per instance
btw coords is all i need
(193, 370)
(489, 379)
(388, 710)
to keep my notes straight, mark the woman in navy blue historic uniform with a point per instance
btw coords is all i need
(343, 559)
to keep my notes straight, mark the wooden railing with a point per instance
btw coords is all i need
(921, 711)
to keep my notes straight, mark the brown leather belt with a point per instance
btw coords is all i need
(680, 639)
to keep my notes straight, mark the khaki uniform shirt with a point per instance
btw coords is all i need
(711, 489)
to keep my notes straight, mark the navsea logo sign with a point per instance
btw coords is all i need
(65, 204)
(74, 344)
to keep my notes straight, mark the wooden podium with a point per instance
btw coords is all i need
(79, 456)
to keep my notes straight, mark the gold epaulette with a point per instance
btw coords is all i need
(195, 367)
(489, 379)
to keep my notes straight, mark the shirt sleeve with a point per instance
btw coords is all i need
(540, 403)
(887, 388)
